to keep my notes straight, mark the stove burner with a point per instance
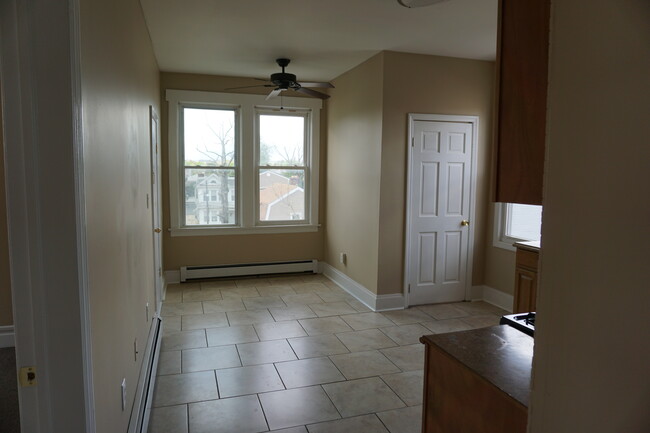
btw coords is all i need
(525, 322)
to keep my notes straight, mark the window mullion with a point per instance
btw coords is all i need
(247, 167)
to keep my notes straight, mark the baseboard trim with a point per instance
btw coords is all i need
(394, 301)
(7, 337)
(360, 292)
(141, 411)
(172, 277)
(497, 298)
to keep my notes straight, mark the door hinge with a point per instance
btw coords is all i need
(412, 141)
(409, 288)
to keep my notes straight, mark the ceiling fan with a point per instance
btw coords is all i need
(284, 81)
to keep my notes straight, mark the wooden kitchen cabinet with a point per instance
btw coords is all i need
(526, 266)
(522, 63)
(477, 381)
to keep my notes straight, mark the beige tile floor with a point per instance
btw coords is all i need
(294, 354)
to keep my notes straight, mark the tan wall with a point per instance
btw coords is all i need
(499, 262)
(120, 81)
(353, 171)
(592, 343)
(6, 315)
(433, 85)
(224, 249)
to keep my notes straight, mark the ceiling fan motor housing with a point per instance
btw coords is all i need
(283, 80)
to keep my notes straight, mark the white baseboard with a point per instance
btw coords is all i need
(394, 301)
(497, 298)
(7, 338)
(172, 277)
(363, 295)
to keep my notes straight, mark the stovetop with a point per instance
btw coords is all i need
(525, 322)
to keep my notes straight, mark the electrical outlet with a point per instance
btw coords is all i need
(343, 258)
(123, 394)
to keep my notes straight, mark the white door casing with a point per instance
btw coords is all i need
(440, 199)
(155, 208)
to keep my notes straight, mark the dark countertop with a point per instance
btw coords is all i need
(500, 354)
(534, 246)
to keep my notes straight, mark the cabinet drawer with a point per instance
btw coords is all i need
(527, 259)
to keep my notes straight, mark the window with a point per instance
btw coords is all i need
(516, 222)
(210, 164)
(281, 171)
(241, 164)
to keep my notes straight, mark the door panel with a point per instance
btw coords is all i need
(452, 256)
(439, 201)
(427, 262)
(455, 189)
(429, 195)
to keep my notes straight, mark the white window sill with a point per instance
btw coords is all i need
(213, 231)
(505, 244)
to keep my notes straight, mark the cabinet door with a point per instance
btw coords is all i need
(522, 80)
(525, 290)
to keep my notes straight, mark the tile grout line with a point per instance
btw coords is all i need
(259, 400)
(391, 388)
(331, 401)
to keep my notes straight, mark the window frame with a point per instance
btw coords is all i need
(183, 167)
(499, 237)
(305, 114)
(246, 136)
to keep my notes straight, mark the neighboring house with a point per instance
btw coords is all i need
(282, 202)
(269, 177)
(208, 204)
(281, 199)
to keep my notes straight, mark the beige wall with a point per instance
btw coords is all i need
(592, 345)
(431, 85)
(6, 315)
(353, 171)
(120, 81)
(499, 262)
(224, 249)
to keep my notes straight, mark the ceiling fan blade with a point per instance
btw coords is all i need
(312, 93)
(317, 84)
(274, 93)
(248, 87)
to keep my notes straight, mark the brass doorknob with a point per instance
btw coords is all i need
(464, 223)
(157, 230)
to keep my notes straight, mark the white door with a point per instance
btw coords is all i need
(155, 209)
(437, 246)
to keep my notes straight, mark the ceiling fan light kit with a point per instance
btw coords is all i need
(418, 3)
(284, 81)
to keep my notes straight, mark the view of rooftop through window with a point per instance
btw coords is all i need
(281, 167)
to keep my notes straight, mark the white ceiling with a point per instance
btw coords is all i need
(323, 38)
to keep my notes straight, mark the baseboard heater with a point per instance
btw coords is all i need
(189, 273)
(141, 411)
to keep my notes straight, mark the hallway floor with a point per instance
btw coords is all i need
(294, 354)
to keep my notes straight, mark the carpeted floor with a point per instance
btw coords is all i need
(9, 418)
